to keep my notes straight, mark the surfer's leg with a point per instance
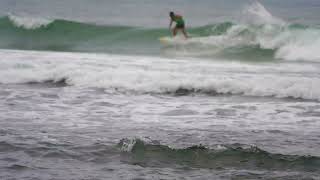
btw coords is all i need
(181, 27)
(184, 33)
(175, 31)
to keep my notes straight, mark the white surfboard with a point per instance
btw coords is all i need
(167, 40)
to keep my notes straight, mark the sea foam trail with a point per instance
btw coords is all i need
(142, 74)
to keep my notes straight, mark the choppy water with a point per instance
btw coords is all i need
(82, 98)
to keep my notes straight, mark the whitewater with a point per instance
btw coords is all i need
(86, 97)
(145, 75)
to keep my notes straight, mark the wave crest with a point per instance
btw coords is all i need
(234, 155)
(29, 22)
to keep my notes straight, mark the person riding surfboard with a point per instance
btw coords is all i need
(180, 24)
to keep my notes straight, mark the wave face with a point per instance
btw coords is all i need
(61, 35)
(236, 155)
(258, 35)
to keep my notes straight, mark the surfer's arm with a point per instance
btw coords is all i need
(170, 23)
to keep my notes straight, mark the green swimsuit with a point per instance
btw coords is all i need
(179, 21)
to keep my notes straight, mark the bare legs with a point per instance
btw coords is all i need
(175, 31)
(185, 33)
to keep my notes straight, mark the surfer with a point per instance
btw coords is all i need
(180, 25)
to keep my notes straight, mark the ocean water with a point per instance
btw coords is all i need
(88, 92)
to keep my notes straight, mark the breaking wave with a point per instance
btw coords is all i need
(234, 155)
(29, 22)
(154, 154)
(144, 74)
(258, 35)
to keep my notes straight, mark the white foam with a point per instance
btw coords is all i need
(28, 22)
(159, 75)
(303, 45)
(256, 13)
(276, 34)
(260, 29)
(128, 144)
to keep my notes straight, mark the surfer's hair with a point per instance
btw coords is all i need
(171, 13)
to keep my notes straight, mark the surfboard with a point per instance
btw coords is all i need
(165, 40)
(178, 40)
